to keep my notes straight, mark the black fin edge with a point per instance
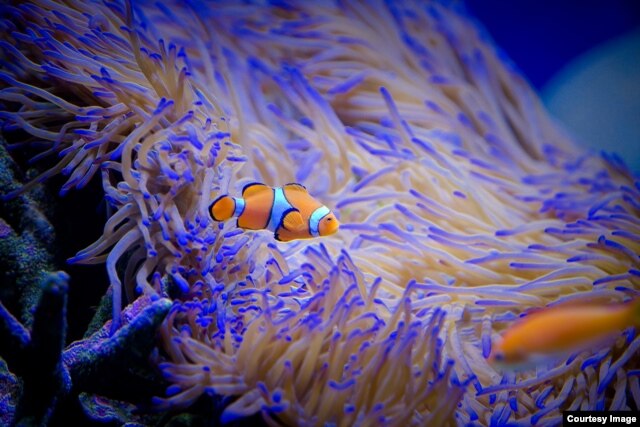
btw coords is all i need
(216, 201)
(251, 184)
(295, 183)
(284, 214)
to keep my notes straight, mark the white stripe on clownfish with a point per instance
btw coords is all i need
(279, 209)
(315, 218)
(239, 201)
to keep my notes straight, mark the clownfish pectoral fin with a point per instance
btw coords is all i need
(254, 188)
(222, 208)
(295, 186)
(292, 220)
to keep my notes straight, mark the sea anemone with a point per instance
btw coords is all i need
(462, 203)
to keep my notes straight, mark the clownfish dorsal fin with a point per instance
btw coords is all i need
(253, 189)
(292, 220)
(295, 186)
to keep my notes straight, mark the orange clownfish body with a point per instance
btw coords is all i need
(288, 211)
(564, 328)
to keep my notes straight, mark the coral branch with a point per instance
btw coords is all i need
(125, 355)
(15, 337)
(24, 236)
(45, 378)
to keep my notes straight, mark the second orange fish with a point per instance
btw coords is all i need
(564, 328)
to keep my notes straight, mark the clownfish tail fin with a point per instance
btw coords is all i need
(222, 208)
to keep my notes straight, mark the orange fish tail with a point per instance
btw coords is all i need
(222, 208)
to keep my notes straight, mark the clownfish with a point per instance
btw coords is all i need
(562, 329)
(288, 211)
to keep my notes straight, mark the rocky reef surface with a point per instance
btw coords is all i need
(44, 380)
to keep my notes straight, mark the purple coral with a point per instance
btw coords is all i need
(462, 204)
